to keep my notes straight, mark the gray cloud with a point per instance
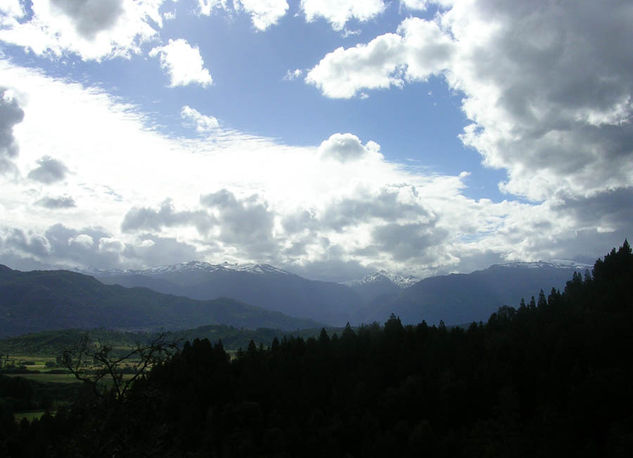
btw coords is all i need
(31, 244)
(385, 206)
(602, 221)
(49, 171)
(246, 223)
(10, 115)
(91, 16)
(80, 247)
(56, 202)
(87, 248)
(155, 251)
(300, 222)
(363, 208)
(330, 269)
(60, 246)
(610, 210)
(408, 242)
(21, 262)
(149, 219)
(566, 84)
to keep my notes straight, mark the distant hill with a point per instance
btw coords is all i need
(259, 284)
(44, 300)
(464, 298)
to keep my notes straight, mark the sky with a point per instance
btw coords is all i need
(330, 138)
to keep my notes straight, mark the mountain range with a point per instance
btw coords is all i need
(256, 296)
(58, 299)
(455, 298)
(261, 284)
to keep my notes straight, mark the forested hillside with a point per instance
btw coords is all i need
(551, 378)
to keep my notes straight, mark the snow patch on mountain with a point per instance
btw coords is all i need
(555, 264)
(402, 281)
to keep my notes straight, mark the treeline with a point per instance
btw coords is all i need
(54, 343)
(550, 378)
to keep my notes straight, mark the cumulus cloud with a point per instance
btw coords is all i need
(348, 147)
(554, 128)
(246, 223)
(609, 211)
(55, 203)
(201, 123)
(183, 63)
(10, 115)
(264, 13)
(88, 248)
(339, 12)
(415, 5)
(91, 16)
(152, 250)
(145, 218)
(48, 171)
(397, 204)
(29, 243)
(92, 29)
(418, 50)
(60, 246)
(414, 241)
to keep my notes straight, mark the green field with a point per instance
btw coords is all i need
(30, 415)
(44, 377)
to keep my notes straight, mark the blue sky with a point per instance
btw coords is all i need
(328, 138)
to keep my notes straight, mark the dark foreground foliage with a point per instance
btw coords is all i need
(551, 378)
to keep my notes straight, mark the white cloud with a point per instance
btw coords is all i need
(202, 123)
(545, 87)
(339, 12)
(263, 13)
(183, 63)
(415, 5)
(10, 12)
(82, 240)
(348, 147)
(92, 29)
(292, 75)
(418, 50)
(205, 7)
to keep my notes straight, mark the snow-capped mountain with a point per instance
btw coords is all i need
(258, 284)
(463, 298)
(197, 266)
(455, 298)
(401, 281)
